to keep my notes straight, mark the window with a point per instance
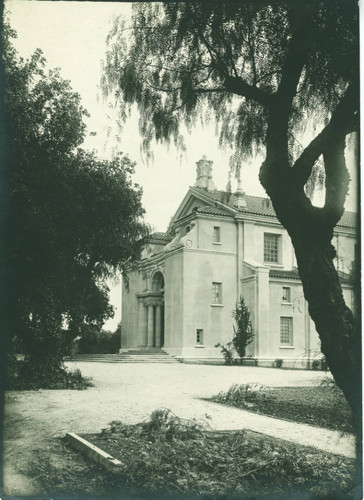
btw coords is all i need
(199, 337)
(286, 294)
(271, 247)
(286, 331)
(217, 293)
(217, 234)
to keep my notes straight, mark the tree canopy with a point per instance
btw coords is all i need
(75, 219)
(263, 69)
(183, 62)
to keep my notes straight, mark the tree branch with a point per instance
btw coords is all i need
(235, 84)
(344, 120)
(280, 111)
(337, 180)
(239, 87)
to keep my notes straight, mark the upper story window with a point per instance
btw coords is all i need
(158, 282)
(272, 247)
(286, 294)
(216, 293)
(217, 234)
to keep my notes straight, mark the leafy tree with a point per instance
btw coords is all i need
(74, 219)
(243, 330)
(96, 341)
(261, 68)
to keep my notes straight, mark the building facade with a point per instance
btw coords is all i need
(220, 246)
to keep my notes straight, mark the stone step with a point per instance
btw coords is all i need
(116, 356)
(126, 360)
(149, 360)
(145, 352)
(111, 356)
(142, 356)
(132, 356)
(146, 358)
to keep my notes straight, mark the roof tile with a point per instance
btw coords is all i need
(294, 275)
(263, 206)
(160, 237)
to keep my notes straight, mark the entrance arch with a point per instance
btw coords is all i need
(158, 309)
(151, 313)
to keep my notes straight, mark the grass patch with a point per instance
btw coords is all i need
(321, 406)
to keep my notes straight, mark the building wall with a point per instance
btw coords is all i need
(193, 261)
(248, 291)
(295, 309)
(129, 324)
(206, 235)
(174, 280)
(201, 270)
(345, 249)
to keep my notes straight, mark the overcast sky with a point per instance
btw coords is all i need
(72, 37)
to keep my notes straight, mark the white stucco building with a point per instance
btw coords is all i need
(219, 246)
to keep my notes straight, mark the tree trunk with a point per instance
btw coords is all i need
(311, 232)
(338, 331)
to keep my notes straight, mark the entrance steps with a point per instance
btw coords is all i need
(152, 355)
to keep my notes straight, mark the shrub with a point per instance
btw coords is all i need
(23, 375)
(243, 393)
(243, 330)
(278, 363)
(227, 351)
(320, 364)
(329, 383)
(165, 425)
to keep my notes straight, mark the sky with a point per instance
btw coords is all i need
(72, 37)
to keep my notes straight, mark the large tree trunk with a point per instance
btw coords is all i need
(338, 331)
(311, 231)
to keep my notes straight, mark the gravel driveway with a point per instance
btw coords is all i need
(130, 392)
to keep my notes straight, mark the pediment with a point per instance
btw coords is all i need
(191, 205)
(195, 199)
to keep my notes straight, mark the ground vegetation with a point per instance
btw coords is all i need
(321, 406)
(169, 457)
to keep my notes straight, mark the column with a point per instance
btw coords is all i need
(307, 334)
(239, 257)
(263, 338)
(158, 325)
(150, 326)
(142, 324)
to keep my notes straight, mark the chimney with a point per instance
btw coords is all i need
(240, 201)
(204, 174)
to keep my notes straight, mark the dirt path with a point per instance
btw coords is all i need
(130, 392)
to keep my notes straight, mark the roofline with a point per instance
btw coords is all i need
(216, 203)
(241, 214)
(203, 197)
